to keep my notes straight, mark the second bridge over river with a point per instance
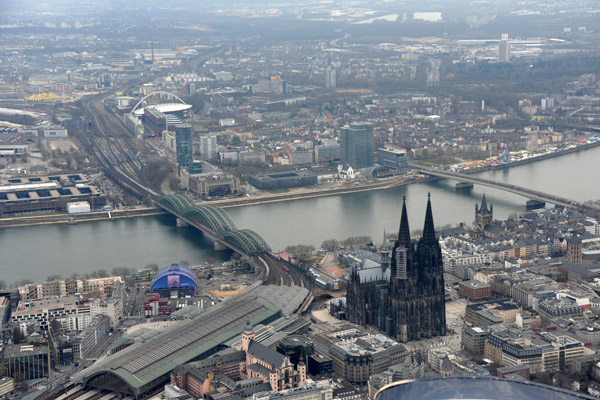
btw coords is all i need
(525, 192)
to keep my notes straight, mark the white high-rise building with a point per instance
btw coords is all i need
(504, 49)
(330, 79)
(208, 147)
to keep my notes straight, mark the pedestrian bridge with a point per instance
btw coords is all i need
(215, 222)
(526, 192)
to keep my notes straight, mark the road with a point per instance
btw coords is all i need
(433, 72)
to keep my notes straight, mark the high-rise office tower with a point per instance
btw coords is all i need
(208, 147)
(330, 79)
(504, 49)
(356, 145)
(183, 142)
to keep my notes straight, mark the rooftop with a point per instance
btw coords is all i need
(164, 108)
(21, 350)
(368, 344)
(287, 298)
(146, 362)
(475, 284)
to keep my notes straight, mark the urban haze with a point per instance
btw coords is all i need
(299, 200)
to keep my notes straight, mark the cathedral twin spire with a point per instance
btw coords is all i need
(404, 232)
(428, 228)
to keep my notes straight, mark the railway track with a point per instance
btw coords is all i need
(282, 273)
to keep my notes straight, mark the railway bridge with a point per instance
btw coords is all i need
(214, 222)
(526, 192)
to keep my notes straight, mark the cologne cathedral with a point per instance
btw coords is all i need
(404, 297)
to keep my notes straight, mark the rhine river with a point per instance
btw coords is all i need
(39, 251)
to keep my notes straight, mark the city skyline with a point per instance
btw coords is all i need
(200, 200)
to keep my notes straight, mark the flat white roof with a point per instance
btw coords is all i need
(164, 108)
(29, 186)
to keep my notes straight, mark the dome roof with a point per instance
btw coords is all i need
(248, 328)
(174, 276)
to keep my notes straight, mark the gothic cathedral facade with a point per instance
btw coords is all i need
(406, 299)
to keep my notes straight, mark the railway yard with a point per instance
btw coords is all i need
(282, 273)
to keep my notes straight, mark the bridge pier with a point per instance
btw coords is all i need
(464, 185)
(218, 246)
(181, 223)
(533, 204)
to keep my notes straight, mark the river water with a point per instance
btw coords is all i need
(39, 251)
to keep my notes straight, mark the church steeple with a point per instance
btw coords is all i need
(428, 228)
(484, 208)
(247, 336)
(404, 232)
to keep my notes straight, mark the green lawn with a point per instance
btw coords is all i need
(481, 157)
(438, 161)
(202, 124)
(278, 191)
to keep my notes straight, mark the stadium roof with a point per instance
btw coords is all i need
(144, 366)
(164, 108)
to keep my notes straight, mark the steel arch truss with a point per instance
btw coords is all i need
(248, 241)
(175, 203)
(153, 94)
(260, 243)
(213, 218)
(216, 220)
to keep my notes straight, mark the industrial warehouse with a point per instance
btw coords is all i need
(47, 193)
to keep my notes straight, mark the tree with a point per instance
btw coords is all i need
(357, 242)
(54, 277)
(301, 252)
(16, 334)
(122, 271)
(155, 171)
(101, 273)
(152, 267)
(185, 263)
(23, 282)
(330, 244)
(543, 377)
(3, 284)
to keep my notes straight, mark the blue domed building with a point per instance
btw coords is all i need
(174, 278)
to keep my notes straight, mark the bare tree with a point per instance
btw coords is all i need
(330, 244)
(301, 252)
(23, 282)
(152, 267)
(357, 242)
(101, 273)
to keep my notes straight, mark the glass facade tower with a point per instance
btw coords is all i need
(356, 145)
(183, 142)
